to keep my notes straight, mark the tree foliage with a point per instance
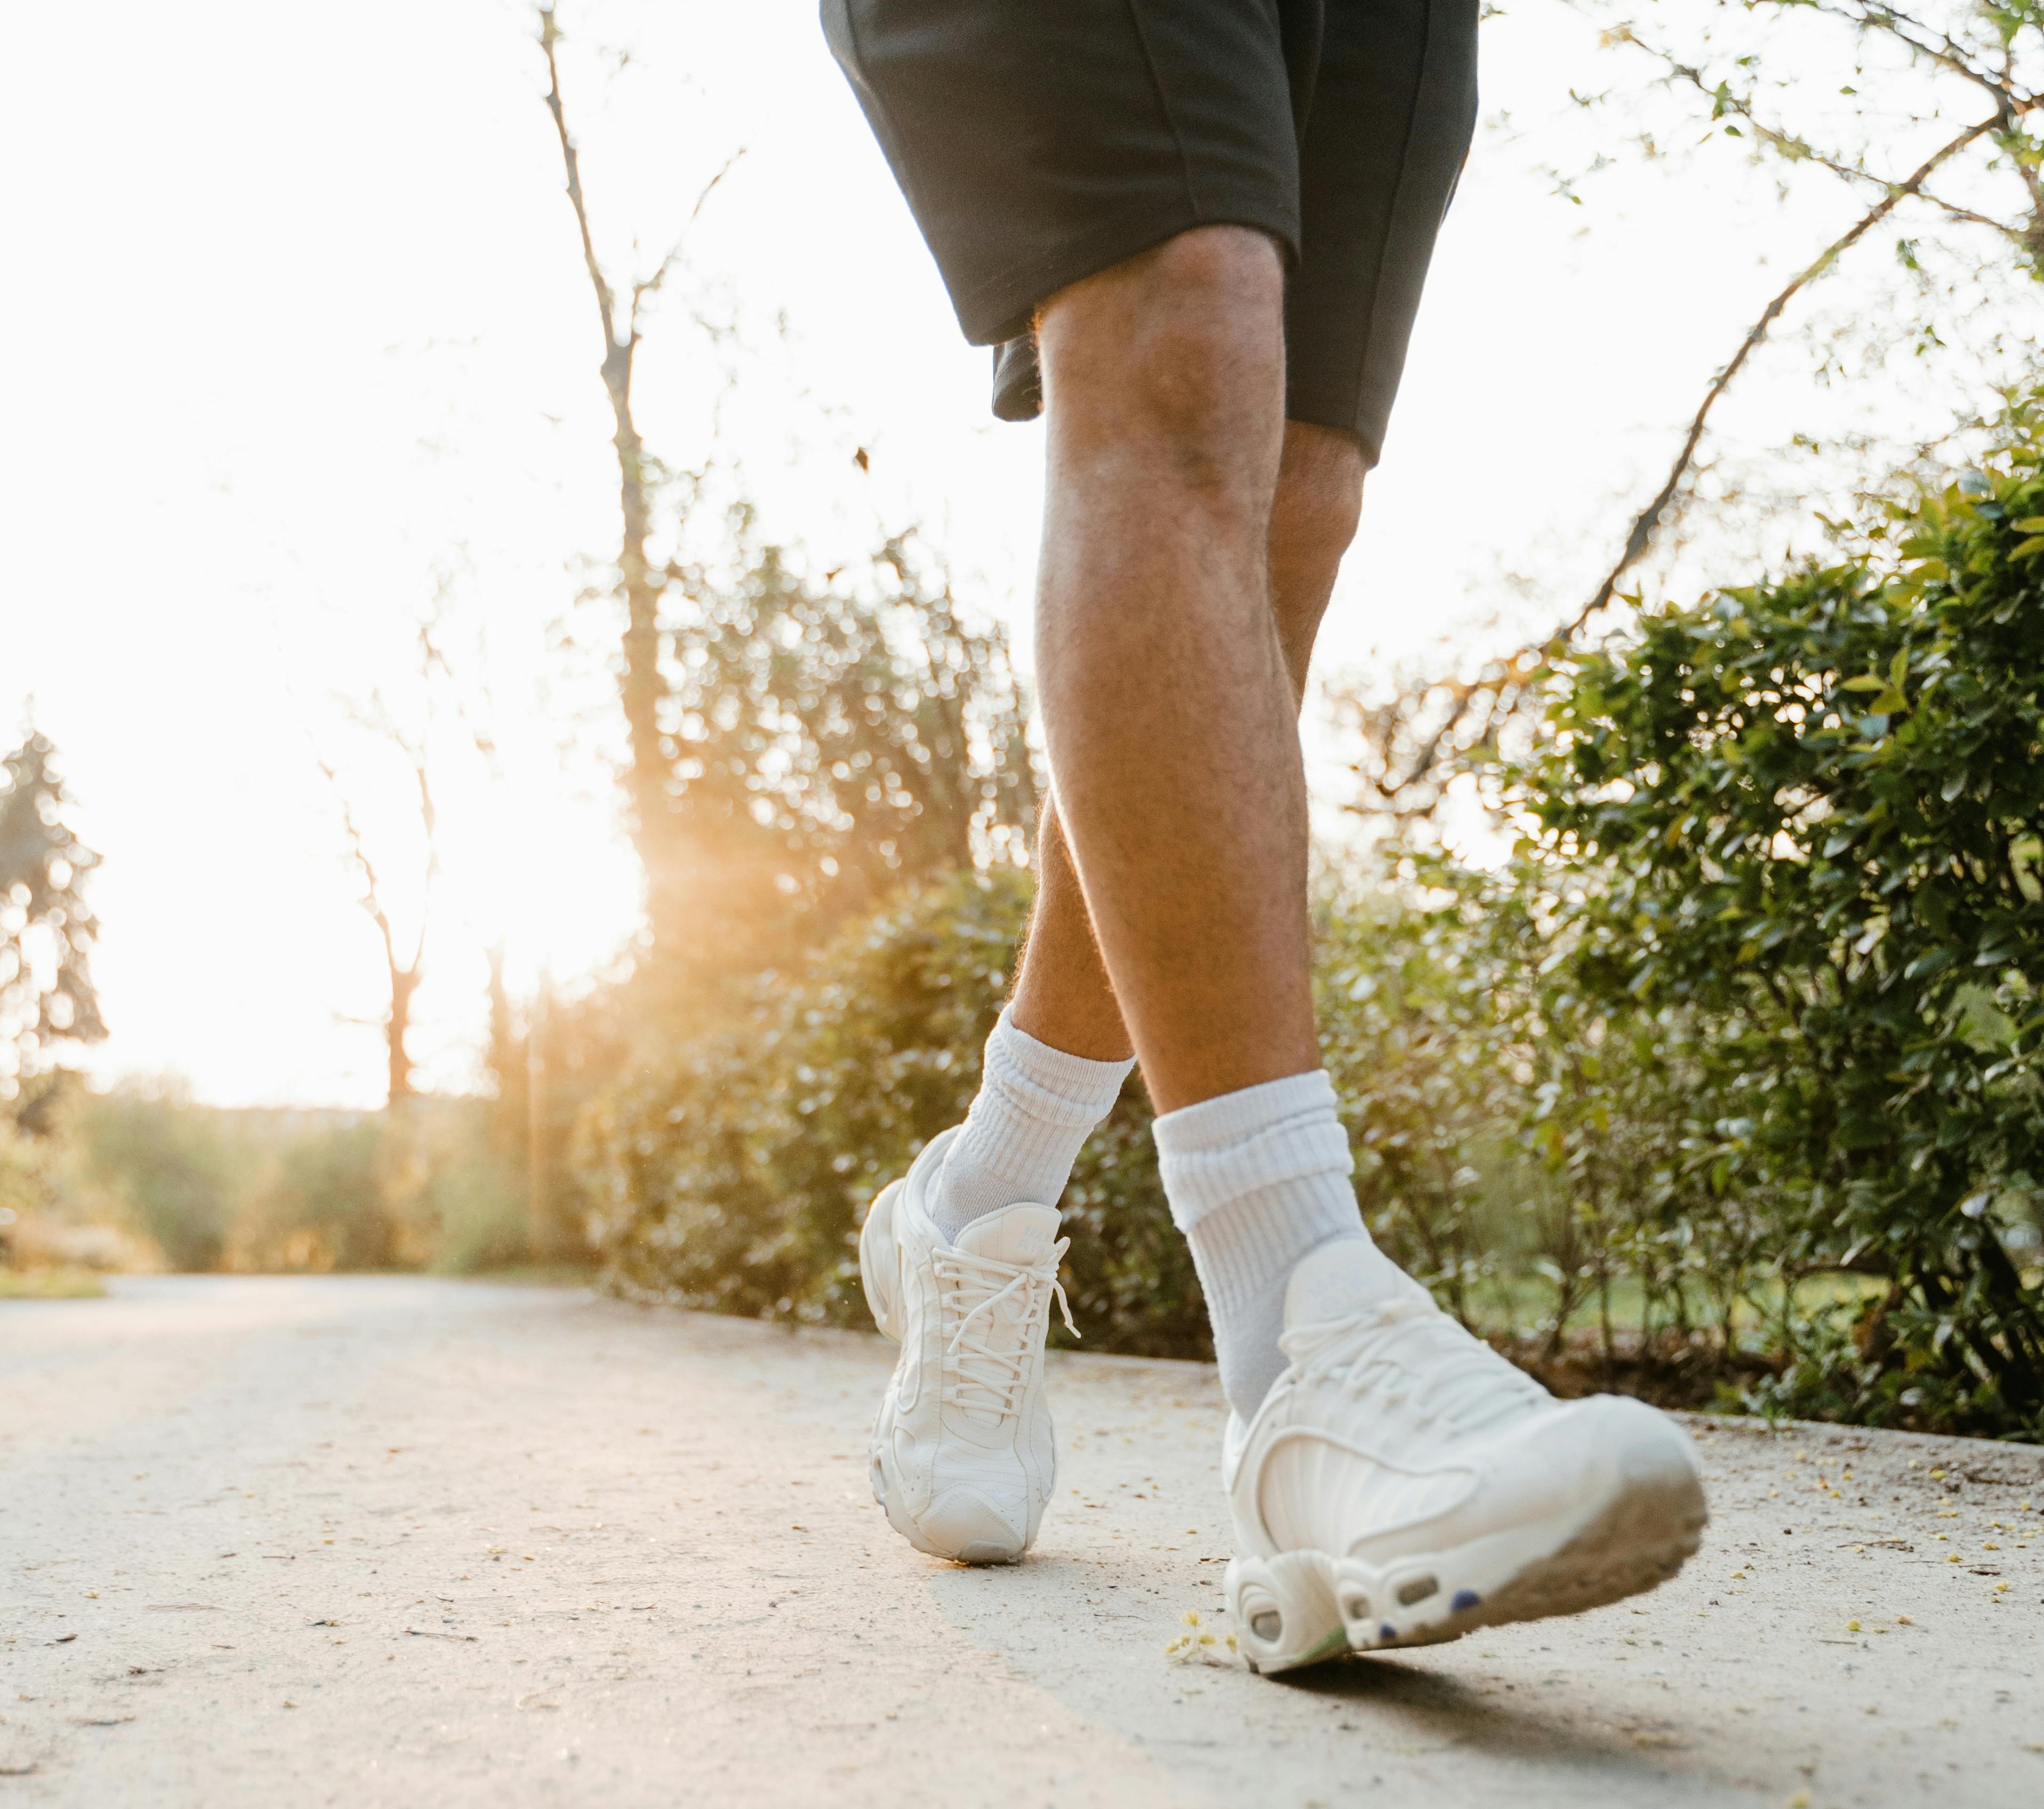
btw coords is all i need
(1738, 1047)
(832, 738)
(46, 927)
(1803, 820)
(734, 1174)
(1909, 143)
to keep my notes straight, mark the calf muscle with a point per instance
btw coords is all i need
(1169, 701)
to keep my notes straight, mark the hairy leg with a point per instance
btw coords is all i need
(1170, 693)
(1062, 995)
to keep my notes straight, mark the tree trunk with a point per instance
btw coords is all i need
(539, 1239)
(655, 829)
(404, 982)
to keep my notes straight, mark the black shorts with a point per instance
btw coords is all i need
(1039, 141)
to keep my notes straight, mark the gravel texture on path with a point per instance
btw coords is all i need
(385, 1541)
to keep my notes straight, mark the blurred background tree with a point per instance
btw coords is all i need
(46, 927)
(47, 1001)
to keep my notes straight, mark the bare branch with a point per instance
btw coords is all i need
(403, 976)
(429, 822)
(651, 284)
(1480, 704)
(606, 300)
(1641, 533)
(433, 659)
(642, 685)
(1798, 150)
(1935, 44)
(371, 901)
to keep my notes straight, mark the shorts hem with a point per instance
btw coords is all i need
(1005, 308)
(1319, 406)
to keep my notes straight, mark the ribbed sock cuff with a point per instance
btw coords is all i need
(1258, 1137)
(1247, 1248)
(1035, 1108)
(1258, 1179)
(1048, 1083)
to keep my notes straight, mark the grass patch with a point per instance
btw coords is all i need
(51, 1285)
(537, 1275)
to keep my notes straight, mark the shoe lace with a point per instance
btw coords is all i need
(1451, 1376)
(993, 1354)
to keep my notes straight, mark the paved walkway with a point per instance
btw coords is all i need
(368, 1541)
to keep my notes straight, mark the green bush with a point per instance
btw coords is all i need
(734, 1173)
(1731, 1068)
(174, 1169)
(424, 1188)
(1797, 826)
(213, 1188)
(322, 1206)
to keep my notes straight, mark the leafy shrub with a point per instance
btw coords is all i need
(212, 1188)
(1799, 824)
(173, 1168)
(1739, 1048)
(734, 1173)
(836, 735)
(321, 1207)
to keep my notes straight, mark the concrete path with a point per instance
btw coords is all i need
(394, 1541)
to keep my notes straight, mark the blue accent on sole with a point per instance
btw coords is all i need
(1387, 1631)
(1464, 1599)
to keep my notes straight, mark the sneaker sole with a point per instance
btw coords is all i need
(887, 1496)
(1324, 1605)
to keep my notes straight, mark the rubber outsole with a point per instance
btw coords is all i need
(1323, 1606)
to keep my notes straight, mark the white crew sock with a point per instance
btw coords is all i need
(1036, 1105)
(1256, 1180)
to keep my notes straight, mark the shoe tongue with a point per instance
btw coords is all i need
(1344, 1277)
(1023, 1235)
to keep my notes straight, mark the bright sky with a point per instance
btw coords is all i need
(296, 340)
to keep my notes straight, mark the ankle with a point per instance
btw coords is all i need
(1257, 1180)
(1036, 1106)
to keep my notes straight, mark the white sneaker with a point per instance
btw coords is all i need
(1402, 1483)
(964, 1458)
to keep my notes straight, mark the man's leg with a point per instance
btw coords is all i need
(1057, 1059)
(1171, 710)
(1170, 719)
(1055, 1062)
(1063, 994)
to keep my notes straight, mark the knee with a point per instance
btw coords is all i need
(1313, 518)
(1318, 502)
(1178, 351)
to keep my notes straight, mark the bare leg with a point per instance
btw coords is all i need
(1170, 709)
(1063, 996)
